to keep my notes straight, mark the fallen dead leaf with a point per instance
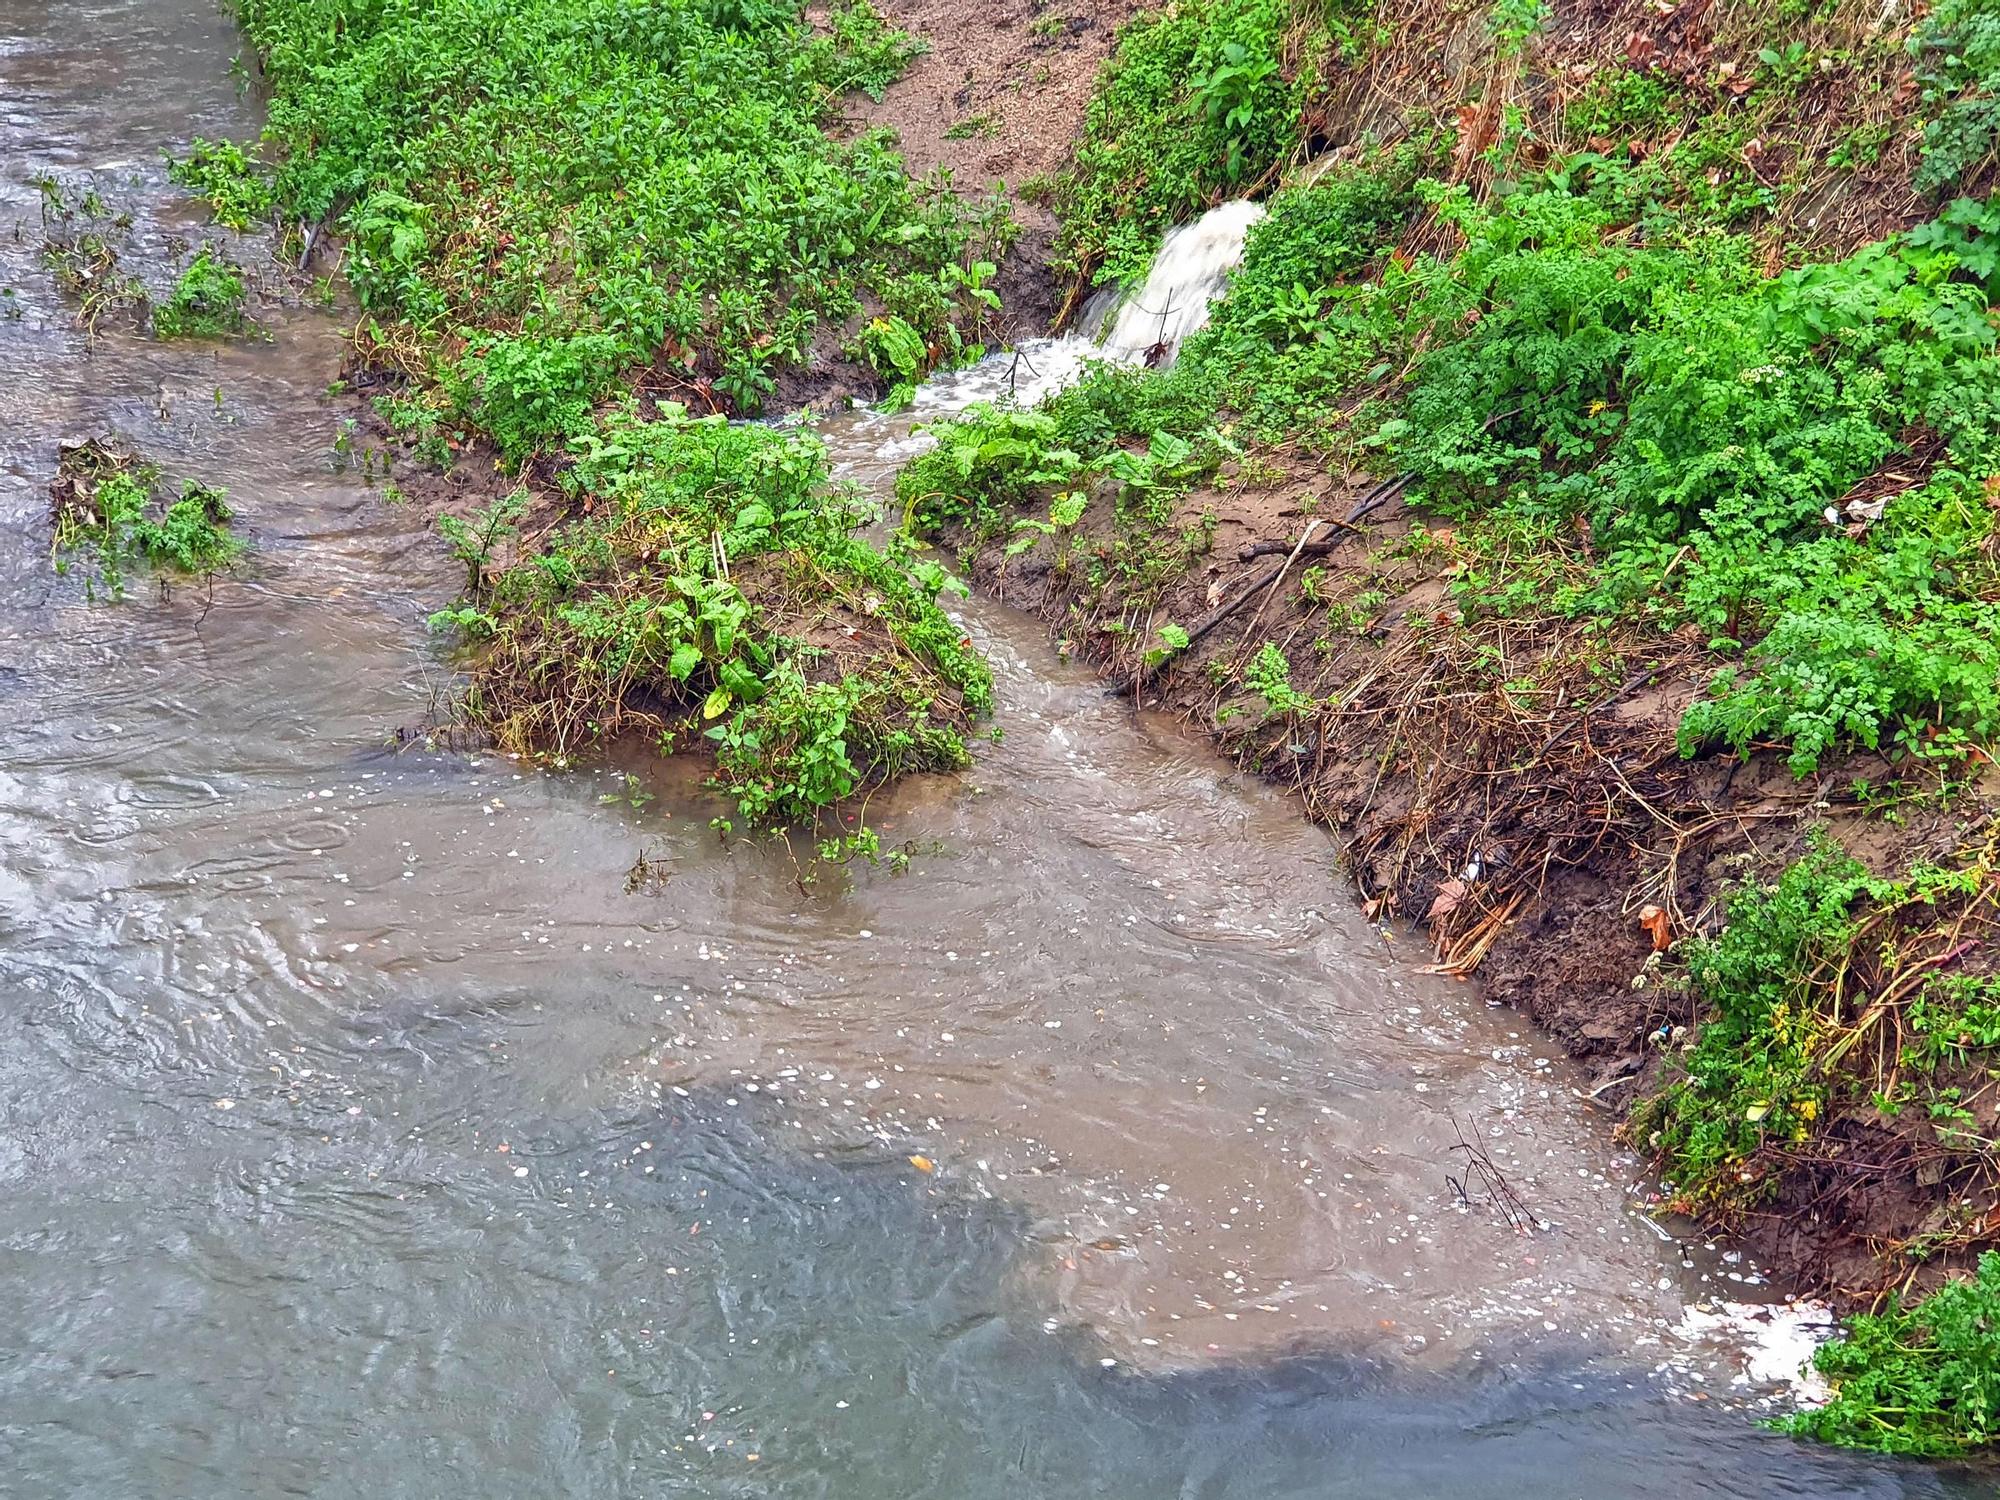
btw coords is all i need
(1446, 901)
(1659, 926)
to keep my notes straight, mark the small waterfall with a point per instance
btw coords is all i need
(1148, 326)
(1190, 271)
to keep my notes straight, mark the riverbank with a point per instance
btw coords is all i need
(1546, 847)
(1584, 515)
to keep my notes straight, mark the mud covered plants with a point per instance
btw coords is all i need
(109, 515)
(543, 203)
(713, 595)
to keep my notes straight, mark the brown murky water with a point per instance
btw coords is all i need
(359, 1129)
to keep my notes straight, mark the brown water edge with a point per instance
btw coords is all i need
(1129, 992)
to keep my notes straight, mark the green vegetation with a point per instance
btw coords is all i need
(1202, 98)
(543, 201)
(1922, 1381)
(1720, 435)
(1267, 367)
(109, 517)
(80, 248)
(1796, 465)
(716, 593)
(206, 302)
(1832, 993)
(572, 222)
(235, 188)
(1958, 64)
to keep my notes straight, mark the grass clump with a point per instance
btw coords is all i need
(714, 595)
(542, 200)
(1921, 1381)
(206, 302)
(109, 517)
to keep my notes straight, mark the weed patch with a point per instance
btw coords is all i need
(1200, 100)
(108, 516)
(1841, 1007)
(715, 597)
(543, 203)
(82, 236)
(206, 302)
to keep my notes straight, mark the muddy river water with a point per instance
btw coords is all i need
(362, 1132)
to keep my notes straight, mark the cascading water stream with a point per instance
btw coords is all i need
(1145, 326)
(1191, 270)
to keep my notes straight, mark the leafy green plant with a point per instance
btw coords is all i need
(236, 189)
(1957, 52)
(107, 517)
(715, 595)
(206, 302)
(1230, 94)
(1269, 676)
(1173, 640)
(1193, 102)
(1922, 1380)
(1752, 1073)
(540, 200)
(475, 539)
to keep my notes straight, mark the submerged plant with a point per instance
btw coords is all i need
(206, 302)
(107, 517)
